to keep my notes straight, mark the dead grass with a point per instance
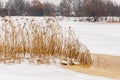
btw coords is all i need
(41, 43)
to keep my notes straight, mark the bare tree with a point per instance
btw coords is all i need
(1, 5)
(94, 8)
(49, 9)
(19, 7)
(78, 7)
(8, 6)
(66, 7)
(37, 8)
(1, 8)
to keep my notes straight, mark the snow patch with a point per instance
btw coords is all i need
(41, 72)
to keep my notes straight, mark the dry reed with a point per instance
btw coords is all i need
(42, 44)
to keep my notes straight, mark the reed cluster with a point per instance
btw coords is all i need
(41, 42)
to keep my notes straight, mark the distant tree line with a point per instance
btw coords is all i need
(89, 8)
(21, 8)
(77, 8)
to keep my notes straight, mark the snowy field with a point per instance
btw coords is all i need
(100, 38)
(41, 72)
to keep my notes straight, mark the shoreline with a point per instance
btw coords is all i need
(109, 67)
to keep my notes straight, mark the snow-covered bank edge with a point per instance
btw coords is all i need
(42, 72)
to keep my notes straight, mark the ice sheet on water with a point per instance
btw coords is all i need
(102, 38)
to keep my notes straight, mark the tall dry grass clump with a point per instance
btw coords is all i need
(40, 42)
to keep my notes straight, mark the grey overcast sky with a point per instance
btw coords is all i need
(52, 1)
(58, 1)
(118, 1)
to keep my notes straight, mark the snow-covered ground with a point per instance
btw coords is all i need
(102, 38)
(41, 72)
(98, 37)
